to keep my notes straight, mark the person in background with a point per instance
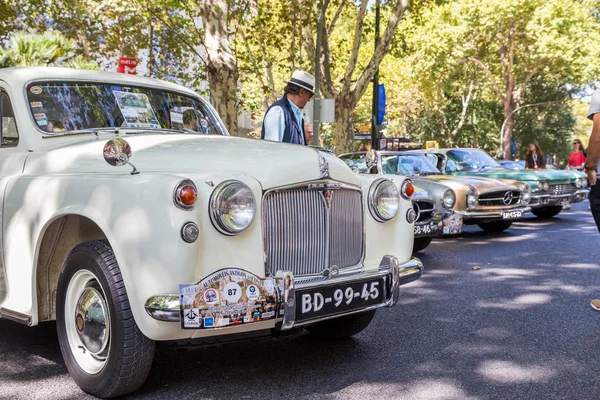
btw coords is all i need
(591, 167)
(577, 157)
(362, 147)
(534, 158)
(308, 132)
(283, 121)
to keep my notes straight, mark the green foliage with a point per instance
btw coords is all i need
(50, 48)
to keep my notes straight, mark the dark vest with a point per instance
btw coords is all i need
(291, 134)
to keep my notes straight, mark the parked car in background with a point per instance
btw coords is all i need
(550, 189)
(516, 165)
(490, 203)
(130, 216)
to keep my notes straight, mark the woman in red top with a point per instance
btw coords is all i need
(576, 158)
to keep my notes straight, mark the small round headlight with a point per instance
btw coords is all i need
(471, 198)
(189, 232)
(449, 199)
(526, 194)
(185, 195)
(407, 189)
(545, 186)
(411, 216)
(232, 207)
(384, 200)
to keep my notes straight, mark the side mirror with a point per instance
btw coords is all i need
(117, 153)
(373, 170)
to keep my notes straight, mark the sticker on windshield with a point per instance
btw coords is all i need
(176, 118)
(41, 119)
(36, 104)
(36, 89)
(136, 110)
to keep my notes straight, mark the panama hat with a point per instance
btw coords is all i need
(304, 80)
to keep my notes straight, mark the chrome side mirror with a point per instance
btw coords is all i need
(371, 158)
(117, 153)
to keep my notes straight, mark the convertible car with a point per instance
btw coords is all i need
(130, 216)
(550, 189)
(490, 203)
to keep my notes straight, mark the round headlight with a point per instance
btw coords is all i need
(584, 182)
(579, 183)
(545, 186)
(526, 194)
(232, 207)
(384, 200)
(471, 198)
(448, 199)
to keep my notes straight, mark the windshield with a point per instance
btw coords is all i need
(74, 106)
(356, 162)
(470, 160)
(407, 164)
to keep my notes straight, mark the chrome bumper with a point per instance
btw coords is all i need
(491, 214)
(165, 307)
(544, 200)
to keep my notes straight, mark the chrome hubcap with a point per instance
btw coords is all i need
(87, 321)
(91, 321)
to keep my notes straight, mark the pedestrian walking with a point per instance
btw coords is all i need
(591, 167)
(283, 121)
(577, 157)
(534, 158)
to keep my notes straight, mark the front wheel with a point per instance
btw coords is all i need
(341, 327)
(105, 352)
(421, 243)
(499, 226)
(546, 212)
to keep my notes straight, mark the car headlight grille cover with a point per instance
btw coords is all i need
(449, 198)
(471, 198)
(232, 207)
(384, 200)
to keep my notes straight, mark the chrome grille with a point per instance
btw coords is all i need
(303, 235)
(424, 210)
(497, 198)
(562, 188)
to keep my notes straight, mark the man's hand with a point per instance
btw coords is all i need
(591, 173)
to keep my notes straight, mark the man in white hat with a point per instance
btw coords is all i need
(284, 121)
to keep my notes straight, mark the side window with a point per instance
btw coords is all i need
(8, 125)
(432, 158)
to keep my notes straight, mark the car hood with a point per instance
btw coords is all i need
(462, 182)
(273, 164)
(520, 175)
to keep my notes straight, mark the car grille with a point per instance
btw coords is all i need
(498, 198)
(303, 235)
(424, 210)
(562, 188)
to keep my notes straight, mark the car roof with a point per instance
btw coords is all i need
(18, 77)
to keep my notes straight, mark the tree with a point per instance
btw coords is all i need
(49, 49)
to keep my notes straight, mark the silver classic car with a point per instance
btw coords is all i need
(433, 202)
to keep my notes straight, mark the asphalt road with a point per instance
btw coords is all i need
(520, 327)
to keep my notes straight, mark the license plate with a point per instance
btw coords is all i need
(512, 214)
(422, 229)
(336, 299)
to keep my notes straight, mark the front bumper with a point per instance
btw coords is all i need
(166, 307)
(490, 215)
(548, 200)
(428, 229)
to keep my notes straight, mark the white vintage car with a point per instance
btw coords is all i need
(130, 216)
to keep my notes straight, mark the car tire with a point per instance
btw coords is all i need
(421, 244)
(111, 356)
(499, 226)
(341, 327)
(546, 212)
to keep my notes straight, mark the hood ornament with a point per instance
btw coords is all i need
(323, 166)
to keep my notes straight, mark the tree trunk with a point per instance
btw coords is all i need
(222, 67)
(509, 107)
(344, 124)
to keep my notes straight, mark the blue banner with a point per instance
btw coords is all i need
(381, 109)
